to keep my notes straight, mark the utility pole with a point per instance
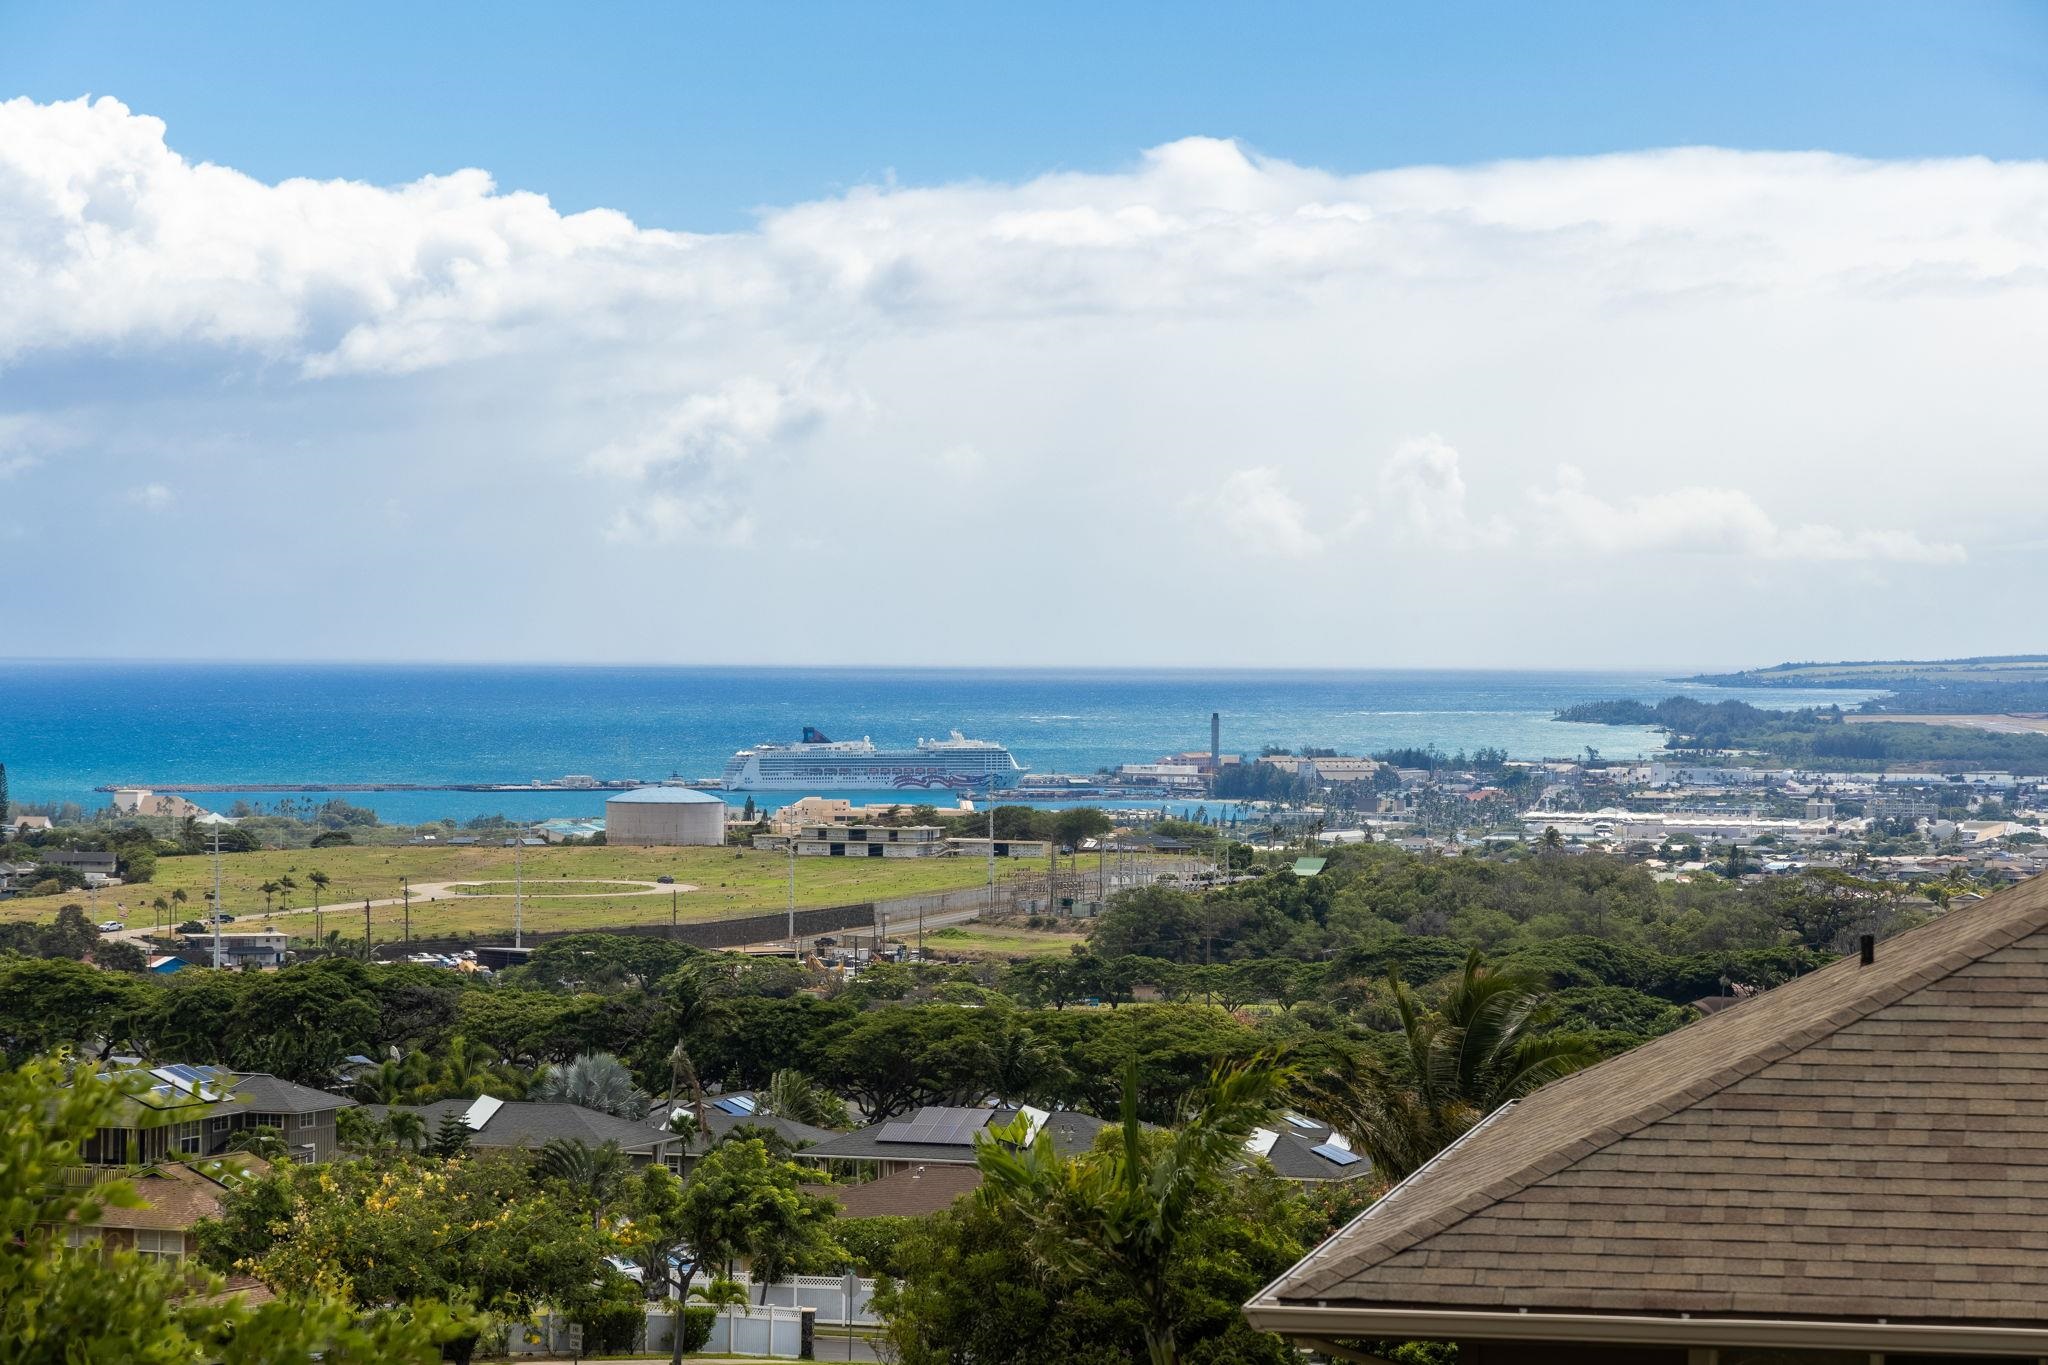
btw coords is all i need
(991, 837)
(216, 896)
(795, 951)
(671, 909)
(366, 928)
(405, 889)
(518, 891)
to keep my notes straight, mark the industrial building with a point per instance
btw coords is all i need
(857, 841)
(662, 817)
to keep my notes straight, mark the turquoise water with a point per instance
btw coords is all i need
(66, 728)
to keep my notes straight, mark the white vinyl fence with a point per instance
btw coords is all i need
(830, 1295)
(775, 1332)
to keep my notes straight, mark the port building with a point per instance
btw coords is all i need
(662, 817)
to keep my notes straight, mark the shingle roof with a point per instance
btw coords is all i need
(912, 1193)
(529, 1123)
(1072, 1134)
(172, 1198)
(1293, 1155)
(720, 1122)
(269, 1095)
(1864, 1143)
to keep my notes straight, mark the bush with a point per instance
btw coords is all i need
(697, 1324)
(612, 1324)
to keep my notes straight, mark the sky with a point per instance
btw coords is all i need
(1301, 335)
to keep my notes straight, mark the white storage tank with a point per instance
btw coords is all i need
(651, 817)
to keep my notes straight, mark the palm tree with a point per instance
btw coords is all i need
(694, 1008)
(285, 887)
(597, 1174)
(408, 1127)
(1122, 1211)
(261, 1141)
(595, 1080)
(1485, 1042)
(269, 889)
(793, 1095)
(320, 881)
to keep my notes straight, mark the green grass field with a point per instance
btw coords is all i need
(712, 883)
(1005, 941)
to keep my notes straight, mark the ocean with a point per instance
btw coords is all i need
(67, 728)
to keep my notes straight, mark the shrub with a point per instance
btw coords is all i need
(612, 1324)
(697, 1324)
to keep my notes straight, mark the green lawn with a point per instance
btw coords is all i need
(727, 881)
(1001, 940)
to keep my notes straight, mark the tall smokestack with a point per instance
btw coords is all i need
(1215, 742)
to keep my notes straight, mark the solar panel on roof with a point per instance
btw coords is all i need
(898, 1131)
(740, 1106)
(1299, 1122)
(1336, 1154)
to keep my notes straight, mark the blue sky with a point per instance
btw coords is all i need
(1366, 335)
(690, 116)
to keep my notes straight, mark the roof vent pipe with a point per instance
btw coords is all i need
(1867, 945)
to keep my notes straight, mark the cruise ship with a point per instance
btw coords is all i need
(816, 763)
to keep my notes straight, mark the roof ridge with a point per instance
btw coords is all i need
(1989, 939)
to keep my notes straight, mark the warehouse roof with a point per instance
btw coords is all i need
(665, 796)
(1859, 1149)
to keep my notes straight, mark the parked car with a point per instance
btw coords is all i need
(666, 880)
(112, 926)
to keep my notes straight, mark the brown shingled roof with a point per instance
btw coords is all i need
(1863, 1143)
(910, 1193)
(173, 1198)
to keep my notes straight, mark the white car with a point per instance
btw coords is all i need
(112, 926)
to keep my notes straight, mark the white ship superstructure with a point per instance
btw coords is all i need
(816, 763)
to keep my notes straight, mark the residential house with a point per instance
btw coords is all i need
(1307, 1152)
(722, 1114)
(251, 949)
(913, 1192)
(174, 1196)
(195, 1111)
(92, 864)
(1850, 1167)
(944, 1136)
(496, 1123)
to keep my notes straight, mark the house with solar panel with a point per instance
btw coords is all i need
(532, 1124)
(722, 1114)
(1307, 1152)
(195, 1111)
(943, 1135)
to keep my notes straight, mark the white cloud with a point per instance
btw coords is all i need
(152, 497)
(1422, 491)
(1794, 359)
(663, 519)
(1700, 520)
(1254, 508)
